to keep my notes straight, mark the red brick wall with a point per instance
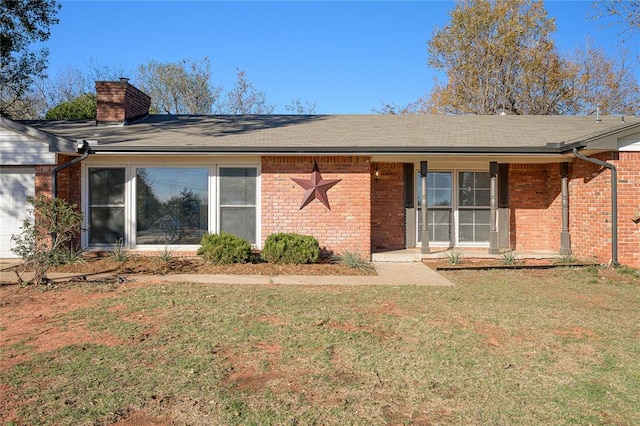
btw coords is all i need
(120, 101)
(535, 206)
(347, 226)
(387, 207)
(43, 180)
(590, 208)
(536, 209)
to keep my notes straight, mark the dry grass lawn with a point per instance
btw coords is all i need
(557, 346)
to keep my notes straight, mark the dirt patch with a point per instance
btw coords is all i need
(29, 318)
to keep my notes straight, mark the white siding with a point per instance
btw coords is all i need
(18, 149)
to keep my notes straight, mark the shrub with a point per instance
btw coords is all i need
(224, 248)
(454, 256)
(49, 229)
(353, 260)
(509, 257)
(117, 252)
(291, 249)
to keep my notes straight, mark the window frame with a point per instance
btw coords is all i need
(213, 192)
(86, 205)
(454, 209)
(218, 204)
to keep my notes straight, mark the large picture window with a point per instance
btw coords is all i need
(106, 215)
(149, 205)
(171, 205)
(238, 201)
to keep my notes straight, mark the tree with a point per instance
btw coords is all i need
(83, 107)
(626, 12)
(299, 107)
(245, 99)
(50, 228)
(498, 56)
(595, 80)
(22, 23)
(178, 88)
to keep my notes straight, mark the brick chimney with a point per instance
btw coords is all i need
(120, 102)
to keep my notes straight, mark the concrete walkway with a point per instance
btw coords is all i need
(389, 273)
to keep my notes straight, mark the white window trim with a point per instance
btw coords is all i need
(455, 241)
(130, 199)
(84, 188)
(258, 243)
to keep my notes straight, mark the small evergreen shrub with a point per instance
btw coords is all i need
(290, 249)
(224, 248)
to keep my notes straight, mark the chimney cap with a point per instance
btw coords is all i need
(124, 79)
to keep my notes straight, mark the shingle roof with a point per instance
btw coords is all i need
(343, 133)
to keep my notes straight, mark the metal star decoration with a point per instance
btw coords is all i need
(315, 187)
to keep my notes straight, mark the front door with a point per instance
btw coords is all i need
(458, 210)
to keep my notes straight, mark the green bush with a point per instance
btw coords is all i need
(224, 248)
(291, 249)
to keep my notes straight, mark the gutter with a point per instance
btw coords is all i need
(614, 202)
(83, 149)
(369, 150)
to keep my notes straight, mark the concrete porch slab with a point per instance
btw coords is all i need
(414, 255)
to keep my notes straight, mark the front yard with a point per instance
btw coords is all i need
(558, 346)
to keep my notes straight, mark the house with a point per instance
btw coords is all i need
(362, 183)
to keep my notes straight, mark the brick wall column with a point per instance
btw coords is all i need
(345, 227)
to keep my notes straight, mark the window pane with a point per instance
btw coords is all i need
(171, 205)
(482, 216)
(474, 225)
(481, 232)
(482, 180)
(482, 197)
(466, 180)
(465, 216)
(441, 233)
(441, 197)
(238, 186)
(442, 180)
(240, 221)
(473, 189)
(466, 233)
(106, 186)
(106, 225)
(441, 216)
(465, 197)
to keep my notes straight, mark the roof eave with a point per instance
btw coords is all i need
(56, 144)
(329, 150)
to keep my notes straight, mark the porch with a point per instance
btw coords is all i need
(414, 255)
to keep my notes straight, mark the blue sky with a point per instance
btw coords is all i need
(346, 57)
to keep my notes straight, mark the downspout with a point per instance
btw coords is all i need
(614, 202)
(85, 150)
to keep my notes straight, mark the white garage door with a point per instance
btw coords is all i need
(16, 184)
